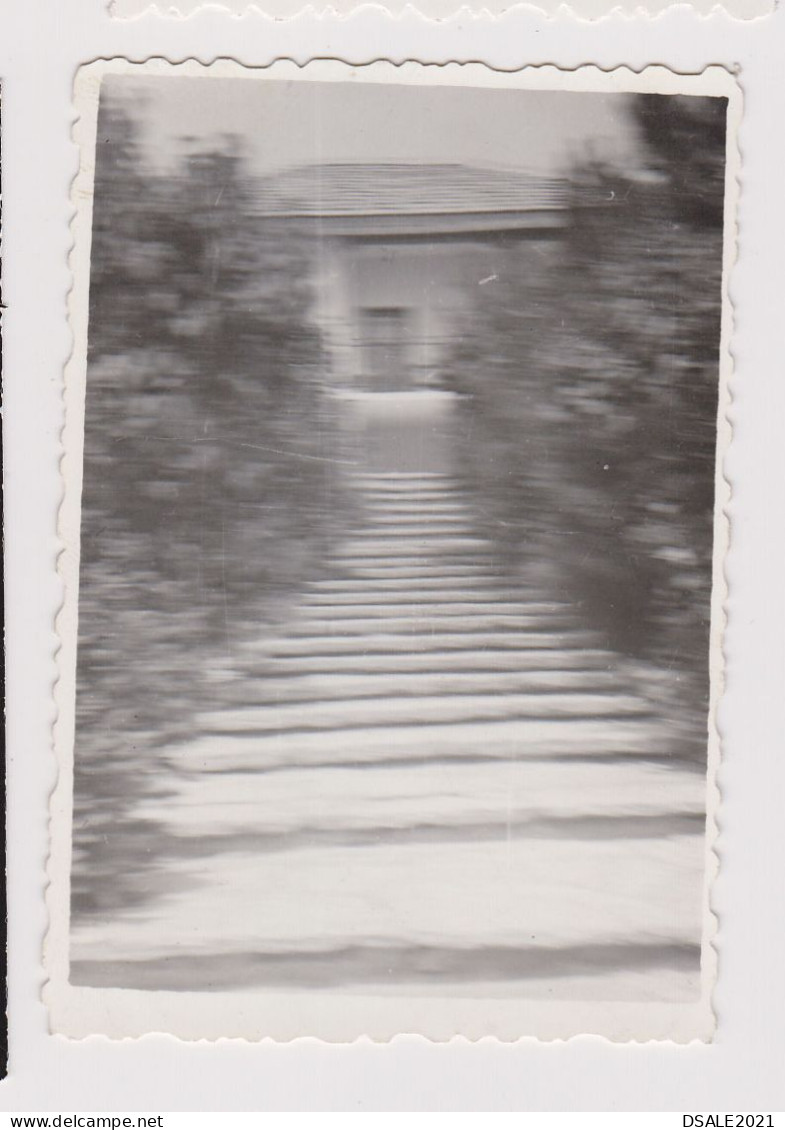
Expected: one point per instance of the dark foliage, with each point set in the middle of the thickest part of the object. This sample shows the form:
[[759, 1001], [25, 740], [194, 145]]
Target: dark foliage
[[208, 472], [592, 377], [685, 137]]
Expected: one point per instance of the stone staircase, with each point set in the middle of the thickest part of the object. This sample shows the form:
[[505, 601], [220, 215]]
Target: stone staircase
[[414, 641], [431, 764]]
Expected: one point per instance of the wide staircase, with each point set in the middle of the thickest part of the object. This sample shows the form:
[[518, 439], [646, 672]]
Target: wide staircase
[[414, 645], [423, 779]]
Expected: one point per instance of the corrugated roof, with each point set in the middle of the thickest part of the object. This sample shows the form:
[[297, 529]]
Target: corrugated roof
[[405, 190]]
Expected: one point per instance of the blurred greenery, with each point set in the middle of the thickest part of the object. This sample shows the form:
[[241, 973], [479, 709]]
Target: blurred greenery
[[592, 384], [210, 487], [213, 485]]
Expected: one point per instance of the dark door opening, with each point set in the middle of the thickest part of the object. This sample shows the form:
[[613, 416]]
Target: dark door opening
[[385, 341]]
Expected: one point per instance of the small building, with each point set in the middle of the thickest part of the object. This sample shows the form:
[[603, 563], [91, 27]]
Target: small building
[[399, 252]]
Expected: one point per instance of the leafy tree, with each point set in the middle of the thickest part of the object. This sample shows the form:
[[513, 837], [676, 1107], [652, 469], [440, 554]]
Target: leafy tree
[[593, 376], [209, 484], [685, 139]]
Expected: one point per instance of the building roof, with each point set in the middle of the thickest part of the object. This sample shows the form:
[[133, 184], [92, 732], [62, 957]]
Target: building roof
[[386, 190]]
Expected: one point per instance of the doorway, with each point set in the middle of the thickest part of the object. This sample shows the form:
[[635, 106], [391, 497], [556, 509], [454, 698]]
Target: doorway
[[386, 348]]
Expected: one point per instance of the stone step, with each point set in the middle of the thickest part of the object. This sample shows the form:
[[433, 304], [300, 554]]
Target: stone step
[[401, 476], [413, 492], [418, 611], [389, 712], [437, 488], [396, 642], [419, 519], [438, 566], [537, 798], [422, 623], [356, 586], [483, 577], [432, 664], [390, 546], [436, 480], [580, 921], [414, 503], [491, 740], [437, 508], [449, 504], [421, 532], [341, 685]]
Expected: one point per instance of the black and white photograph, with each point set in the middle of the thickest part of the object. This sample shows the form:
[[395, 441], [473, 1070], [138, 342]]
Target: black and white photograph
[[394, 581]]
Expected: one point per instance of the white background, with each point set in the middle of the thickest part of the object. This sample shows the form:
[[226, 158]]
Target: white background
[[41, 44]]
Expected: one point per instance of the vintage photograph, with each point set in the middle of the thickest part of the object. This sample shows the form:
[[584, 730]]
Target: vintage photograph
[[395, 592]]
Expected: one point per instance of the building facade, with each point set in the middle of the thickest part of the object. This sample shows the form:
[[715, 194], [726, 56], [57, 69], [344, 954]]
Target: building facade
[[399, 253]]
